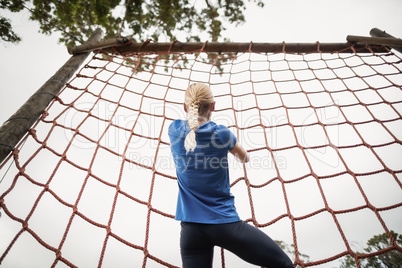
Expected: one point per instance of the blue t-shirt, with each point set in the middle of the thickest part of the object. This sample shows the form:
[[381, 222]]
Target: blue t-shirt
[[203, 175]]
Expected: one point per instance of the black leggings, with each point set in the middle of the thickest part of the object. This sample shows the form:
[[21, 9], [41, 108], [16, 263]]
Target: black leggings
[[197, 242]]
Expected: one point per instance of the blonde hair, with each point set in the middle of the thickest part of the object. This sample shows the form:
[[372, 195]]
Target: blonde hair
[[198, 99]]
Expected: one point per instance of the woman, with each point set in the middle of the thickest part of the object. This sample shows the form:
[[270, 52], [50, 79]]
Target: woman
[[205, 206]]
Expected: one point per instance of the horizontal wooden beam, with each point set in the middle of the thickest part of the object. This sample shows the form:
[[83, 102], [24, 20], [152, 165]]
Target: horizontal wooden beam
[[90, 46], [234, 47]]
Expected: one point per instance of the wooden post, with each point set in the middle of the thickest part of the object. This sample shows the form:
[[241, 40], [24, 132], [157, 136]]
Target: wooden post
[[375, 32], [12, 131]]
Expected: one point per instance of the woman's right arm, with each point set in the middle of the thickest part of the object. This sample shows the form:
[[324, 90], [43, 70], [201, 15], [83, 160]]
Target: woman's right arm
[[240, 153]]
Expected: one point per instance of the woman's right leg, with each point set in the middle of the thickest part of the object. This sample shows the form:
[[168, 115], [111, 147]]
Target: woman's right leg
[[250, 244], [195, 248]]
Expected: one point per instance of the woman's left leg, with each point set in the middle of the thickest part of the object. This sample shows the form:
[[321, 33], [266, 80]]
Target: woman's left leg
[[195, 249]]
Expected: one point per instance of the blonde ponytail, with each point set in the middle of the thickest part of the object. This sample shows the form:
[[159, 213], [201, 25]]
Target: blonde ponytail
[[192, 120], [198, 98]]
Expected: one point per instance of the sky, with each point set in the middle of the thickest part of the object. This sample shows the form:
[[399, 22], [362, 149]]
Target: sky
[[26, 66]]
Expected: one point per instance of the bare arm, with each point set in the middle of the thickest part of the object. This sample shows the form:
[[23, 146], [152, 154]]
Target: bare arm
[[240, 153]]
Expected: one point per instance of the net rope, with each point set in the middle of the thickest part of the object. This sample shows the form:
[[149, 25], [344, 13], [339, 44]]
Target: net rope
[[95, 185]]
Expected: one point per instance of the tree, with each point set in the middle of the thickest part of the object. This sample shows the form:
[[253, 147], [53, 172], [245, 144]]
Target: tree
[[77, 19], [391, 259], [6, 32], [291, 251]]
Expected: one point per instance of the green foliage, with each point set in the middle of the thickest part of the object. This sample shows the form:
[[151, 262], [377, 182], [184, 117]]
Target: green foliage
[[77, 19], [291, 251], [390, 259], [13, 6], [6, 32]]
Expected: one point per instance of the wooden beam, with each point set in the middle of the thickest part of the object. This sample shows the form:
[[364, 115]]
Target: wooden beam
[[375, 32], [90, 46], [387, 41], [150, 47], [12, 131]]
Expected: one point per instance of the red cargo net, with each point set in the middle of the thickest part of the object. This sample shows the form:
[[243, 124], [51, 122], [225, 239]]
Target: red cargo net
[[93, 182]]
